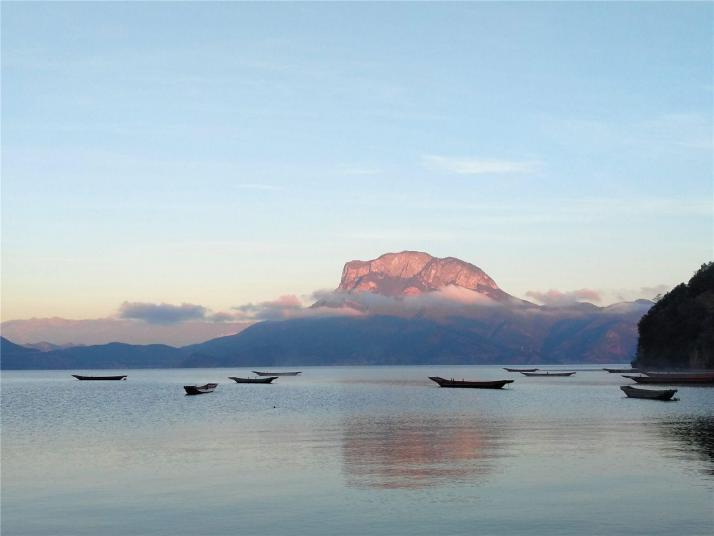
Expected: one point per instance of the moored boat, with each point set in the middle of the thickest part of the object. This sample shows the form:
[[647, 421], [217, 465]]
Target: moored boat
[[546, 373], [259, 373], [495, 384], [99, 378], [520, 369], [621, 370], [709, 375], [200, 389], [674, 379], [269, 379], [651, 394]]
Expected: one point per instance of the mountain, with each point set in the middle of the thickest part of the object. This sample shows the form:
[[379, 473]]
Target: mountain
[[14, 354], [96, 331], [411, 273], [401, 308], [415, 308], [44, 346], [104, 356], [678, 331]]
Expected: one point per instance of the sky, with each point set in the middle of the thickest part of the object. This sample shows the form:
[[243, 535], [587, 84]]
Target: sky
[[218, 154]]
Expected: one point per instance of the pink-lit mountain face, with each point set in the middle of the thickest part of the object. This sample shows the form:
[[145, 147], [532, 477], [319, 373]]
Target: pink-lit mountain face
[[412, 273]]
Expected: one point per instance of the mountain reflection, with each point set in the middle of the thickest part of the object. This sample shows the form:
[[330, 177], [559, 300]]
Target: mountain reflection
[[418, 452], [695, 438]]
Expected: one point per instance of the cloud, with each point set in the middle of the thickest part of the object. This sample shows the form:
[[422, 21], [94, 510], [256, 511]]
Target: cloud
[[223, 316], [360, 171], [285, 306], [647, 293], [256, 186], [477, 166], [557, 298], [450, 299], [161, 313]]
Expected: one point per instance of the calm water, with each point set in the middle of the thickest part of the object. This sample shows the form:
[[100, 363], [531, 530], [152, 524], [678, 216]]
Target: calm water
[[352, 451]]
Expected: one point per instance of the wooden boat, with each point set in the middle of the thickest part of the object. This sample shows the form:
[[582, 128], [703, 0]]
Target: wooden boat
[[269, 379], [547, 373], [200, 389], [259, 373], [621, 370], [99, 378], [443, 382], [672, 379], [652, 394], [682, 375], [520, 369]]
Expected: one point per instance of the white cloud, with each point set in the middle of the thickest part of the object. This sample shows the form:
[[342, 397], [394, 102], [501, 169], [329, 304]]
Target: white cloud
[[477, 166], [256, 186], [356, 170]]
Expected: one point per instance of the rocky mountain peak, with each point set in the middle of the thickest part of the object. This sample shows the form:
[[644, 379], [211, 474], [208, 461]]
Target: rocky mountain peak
[[410, 273]]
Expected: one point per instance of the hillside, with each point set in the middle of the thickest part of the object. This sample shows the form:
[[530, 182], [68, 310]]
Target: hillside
[[678, 331], [399, 309]]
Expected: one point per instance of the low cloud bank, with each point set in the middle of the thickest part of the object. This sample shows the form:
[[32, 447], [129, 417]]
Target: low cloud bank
[[161, 313], [602, 297], [557, 298]]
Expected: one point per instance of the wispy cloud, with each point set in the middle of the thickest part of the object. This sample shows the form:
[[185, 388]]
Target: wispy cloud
[[280, 308], [478, 166], [257, 186], [360, 171]]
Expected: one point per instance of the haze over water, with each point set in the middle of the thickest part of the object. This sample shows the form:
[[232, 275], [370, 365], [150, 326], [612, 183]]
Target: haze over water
[[352, 450]]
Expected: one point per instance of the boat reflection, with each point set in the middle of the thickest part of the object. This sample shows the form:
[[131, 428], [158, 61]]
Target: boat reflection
[[417, 452]]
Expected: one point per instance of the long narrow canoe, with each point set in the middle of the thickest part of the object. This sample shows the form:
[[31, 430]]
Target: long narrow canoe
[[621, 370], [269, 379], [520, 369], [259, 373], [443, 382], [673, 379], [682, 375], [200, 389], [547, 373], [650, 394], [99, 378]]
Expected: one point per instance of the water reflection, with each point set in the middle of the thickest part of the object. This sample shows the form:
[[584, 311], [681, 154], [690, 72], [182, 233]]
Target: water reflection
[[412, 452], [694, 437]]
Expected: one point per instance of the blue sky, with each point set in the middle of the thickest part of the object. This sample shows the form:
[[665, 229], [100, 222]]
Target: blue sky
[[223, 153]]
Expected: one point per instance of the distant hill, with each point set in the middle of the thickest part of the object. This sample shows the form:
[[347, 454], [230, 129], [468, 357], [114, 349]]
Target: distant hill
[[399, 309], [539, 337], [14, 355], [678, 331], [64, 332], [104, 356]]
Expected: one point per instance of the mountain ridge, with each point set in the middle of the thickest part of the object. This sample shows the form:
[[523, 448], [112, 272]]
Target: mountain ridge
[[400, 308]]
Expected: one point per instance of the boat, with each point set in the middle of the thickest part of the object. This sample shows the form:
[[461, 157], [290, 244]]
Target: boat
[[621, 370], [671, 379], [546, 373], [443, 382], [682, 375], [200, 389], [259, 373], [269, 379], [652, 394], [520, 369], [99, 378]]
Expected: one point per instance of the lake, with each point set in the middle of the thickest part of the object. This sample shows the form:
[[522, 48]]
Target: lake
[[352, 451]]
